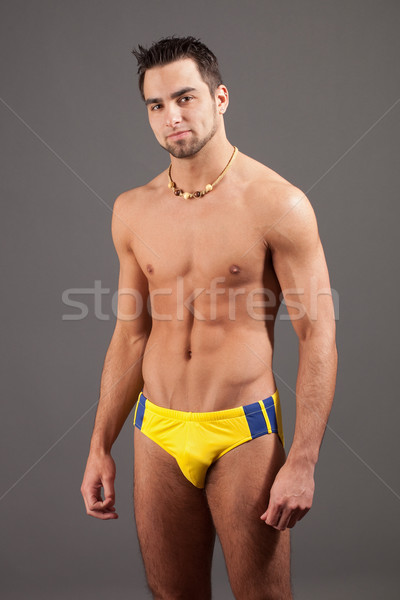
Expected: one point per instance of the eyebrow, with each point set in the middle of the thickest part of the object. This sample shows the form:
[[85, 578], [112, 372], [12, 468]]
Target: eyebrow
[[172, 96]]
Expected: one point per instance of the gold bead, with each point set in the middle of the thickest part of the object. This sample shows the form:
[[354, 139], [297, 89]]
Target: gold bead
[[171, 184], [208, 187], [186, 195]]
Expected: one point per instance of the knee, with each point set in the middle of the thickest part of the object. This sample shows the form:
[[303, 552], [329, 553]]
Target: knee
[[179, 592], [181, 595], [269, 591]]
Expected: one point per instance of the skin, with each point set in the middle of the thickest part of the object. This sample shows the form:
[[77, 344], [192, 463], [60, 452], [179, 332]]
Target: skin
[[211, 351]]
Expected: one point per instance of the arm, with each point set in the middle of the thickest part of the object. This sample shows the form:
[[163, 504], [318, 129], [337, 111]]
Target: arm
[[121, 379], [300, 266]]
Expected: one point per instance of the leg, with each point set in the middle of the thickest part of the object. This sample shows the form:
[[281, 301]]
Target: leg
[[237, 486], [175, 529]]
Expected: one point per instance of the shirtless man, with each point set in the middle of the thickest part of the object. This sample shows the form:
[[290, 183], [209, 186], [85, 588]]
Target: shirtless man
[[213, 268]]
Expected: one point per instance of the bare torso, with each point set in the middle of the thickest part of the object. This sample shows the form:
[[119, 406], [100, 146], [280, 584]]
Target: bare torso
[[207, 262]]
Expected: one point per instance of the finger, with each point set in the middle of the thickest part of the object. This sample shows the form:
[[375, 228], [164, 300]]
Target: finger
[[273, 515], [293, 519], [95, 503], [95, 507], [302, 513], [284, 519], [89, 498], [100, 511], [103, 515], [272, 512]]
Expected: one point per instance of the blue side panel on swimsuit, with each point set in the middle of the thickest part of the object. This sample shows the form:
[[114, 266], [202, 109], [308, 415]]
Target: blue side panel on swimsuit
[[270, 408], [140, 412], [255, 419]]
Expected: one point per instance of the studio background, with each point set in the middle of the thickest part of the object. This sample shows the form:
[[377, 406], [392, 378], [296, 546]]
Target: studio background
[[315, 95]]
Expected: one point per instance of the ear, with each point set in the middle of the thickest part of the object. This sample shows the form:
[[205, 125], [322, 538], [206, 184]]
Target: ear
[[221, 98]]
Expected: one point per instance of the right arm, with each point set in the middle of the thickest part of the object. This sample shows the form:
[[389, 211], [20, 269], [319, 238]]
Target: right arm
[[121, 379]]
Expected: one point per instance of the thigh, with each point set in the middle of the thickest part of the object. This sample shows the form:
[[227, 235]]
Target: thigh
[[174, 524], [237, 487]]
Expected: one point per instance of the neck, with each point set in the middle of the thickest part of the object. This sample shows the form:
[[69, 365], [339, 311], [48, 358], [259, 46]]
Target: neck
[[195, 172]]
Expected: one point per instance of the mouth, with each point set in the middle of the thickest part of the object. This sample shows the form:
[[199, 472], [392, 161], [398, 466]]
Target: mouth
[[178, 135]]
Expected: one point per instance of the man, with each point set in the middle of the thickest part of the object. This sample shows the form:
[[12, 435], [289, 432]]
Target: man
[[211, 246]]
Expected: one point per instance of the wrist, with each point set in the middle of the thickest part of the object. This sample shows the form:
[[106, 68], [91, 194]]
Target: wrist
[[99, 449], [301, 460]]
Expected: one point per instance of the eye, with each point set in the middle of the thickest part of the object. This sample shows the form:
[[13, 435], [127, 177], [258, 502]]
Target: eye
[[155, 106], [187, 98]]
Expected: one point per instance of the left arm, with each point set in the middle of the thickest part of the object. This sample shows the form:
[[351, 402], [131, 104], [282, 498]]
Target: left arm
[[300, 266]]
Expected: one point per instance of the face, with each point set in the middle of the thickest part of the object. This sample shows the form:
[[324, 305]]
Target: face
[[181, 111]]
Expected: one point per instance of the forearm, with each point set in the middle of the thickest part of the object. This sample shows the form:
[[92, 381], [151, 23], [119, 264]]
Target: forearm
[[315, 390], [121, 383]]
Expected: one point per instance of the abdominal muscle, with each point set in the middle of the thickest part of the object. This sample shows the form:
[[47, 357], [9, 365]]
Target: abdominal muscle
[[202, 366]]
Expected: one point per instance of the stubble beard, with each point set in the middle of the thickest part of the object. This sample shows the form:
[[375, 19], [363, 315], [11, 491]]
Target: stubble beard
[[184, 148]]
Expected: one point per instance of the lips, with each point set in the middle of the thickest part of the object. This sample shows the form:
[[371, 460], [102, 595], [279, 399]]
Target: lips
[[178, 135]]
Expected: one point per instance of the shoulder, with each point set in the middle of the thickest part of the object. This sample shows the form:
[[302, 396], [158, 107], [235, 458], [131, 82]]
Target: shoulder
[[130, 199], [124, 208], [129, 207], [133, 200], [284, 209], [294, 225]]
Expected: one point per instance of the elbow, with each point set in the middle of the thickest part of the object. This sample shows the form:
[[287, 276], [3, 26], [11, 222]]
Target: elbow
[[321, 346], [321, 334], [132, 336]]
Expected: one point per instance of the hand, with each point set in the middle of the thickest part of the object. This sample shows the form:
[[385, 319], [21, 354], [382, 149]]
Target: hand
[[291, 496], [100, 472]]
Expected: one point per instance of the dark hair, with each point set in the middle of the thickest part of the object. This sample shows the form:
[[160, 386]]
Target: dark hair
[[170, 49]]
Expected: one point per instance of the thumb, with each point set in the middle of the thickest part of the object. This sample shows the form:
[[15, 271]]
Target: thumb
[[109, 492], [269, 508]]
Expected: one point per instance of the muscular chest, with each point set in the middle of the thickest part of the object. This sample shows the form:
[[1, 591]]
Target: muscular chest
[[200, 243]]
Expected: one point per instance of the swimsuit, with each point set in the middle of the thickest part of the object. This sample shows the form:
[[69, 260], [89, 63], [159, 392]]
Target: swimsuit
[[198, 439]]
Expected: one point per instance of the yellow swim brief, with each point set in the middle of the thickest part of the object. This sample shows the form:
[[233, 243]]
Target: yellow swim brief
[[197, 439]]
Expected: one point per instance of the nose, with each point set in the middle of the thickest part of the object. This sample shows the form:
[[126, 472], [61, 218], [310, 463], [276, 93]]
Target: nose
[[172, 116]]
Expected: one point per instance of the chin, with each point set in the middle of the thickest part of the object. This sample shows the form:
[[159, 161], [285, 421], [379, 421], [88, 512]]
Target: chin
[[180, 150]]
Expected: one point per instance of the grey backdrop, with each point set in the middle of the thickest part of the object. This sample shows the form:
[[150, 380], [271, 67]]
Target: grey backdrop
[[314, 94]]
